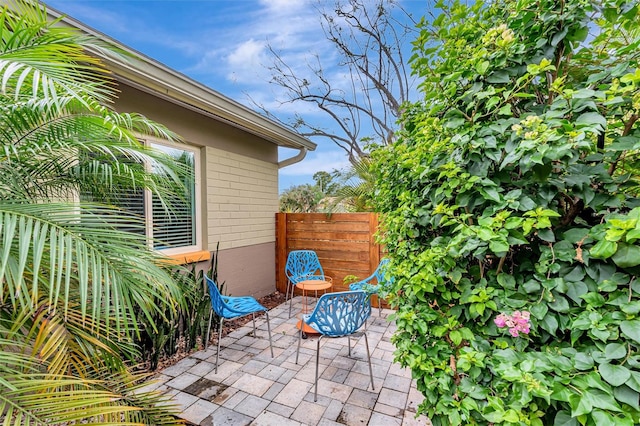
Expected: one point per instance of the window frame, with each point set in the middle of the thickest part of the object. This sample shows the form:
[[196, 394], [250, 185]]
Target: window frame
[[197, 195]]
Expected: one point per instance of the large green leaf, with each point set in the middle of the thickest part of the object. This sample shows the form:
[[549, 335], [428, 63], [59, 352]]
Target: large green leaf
[[603, 249], [631, 329], [627, 255], [564, 419], [615, 375]]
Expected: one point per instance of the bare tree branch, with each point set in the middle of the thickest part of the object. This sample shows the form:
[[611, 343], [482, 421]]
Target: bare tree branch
[[364, 102]]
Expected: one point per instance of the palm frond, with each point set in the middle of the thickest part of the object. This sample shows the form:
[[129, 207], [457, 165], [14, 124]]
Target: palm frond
[[42, 59], [62, 251]]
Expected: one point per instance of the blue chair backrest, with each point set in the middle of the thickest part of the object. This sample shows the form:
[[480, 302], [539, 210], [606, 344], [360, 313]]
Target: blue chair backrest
[[217, 303], [341, 313], [303, 265]]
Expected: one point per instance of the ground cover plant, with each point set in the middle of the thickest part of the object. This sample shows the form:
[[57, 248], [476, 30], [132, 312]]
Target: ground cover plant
[[510, 211]]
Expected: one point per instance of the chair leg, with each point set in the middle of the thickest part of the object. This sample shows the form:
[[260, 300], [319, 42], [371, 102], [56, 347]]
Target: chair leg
[[299, 340], [366, 342], [349, 345], [291, 300], [315, 396], [253, 317], [206, 341], [269, 331], [219, 339]]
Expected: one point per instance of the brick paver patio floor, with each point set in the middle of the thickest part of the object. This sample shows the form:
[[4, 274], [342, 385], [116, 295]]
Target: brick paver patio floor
[[252, 388]]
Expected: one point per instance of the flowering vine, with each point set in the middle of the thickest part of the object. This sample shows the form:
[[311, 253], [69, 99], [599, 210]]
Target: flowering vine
[[518, 322]]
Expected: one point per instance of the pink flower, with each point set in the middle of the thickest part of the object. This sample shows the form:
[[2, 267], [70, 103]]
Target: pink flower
[[518, 322], [501, 320]]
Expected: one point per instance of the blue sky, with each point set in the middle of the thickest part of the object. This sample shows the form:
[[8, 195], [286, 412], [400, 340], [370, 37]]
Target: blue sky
[[223, 44]]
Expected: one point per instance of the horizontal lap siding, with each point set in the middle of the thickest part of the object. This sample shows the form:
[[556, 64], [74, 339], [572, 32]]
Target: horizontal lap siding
[[344, 242], [242, 195]]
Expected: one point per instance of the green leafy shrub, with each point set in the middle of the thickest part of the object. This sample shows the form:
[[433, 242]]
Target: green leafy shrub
[[509, 207]]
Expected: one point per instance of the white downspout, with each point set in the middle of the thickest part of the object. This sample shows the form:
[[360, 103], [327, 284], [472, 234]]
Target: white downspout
[[293, 160]]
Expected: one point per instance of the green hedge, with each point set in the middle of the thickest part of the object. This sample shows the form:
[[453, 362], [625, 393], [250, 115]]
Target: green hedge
[[512, 190]]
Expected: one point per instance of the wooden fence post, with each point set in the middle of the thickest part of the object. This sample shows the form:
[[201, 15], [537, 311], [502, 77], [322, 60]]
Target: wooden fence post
[[281, 251]]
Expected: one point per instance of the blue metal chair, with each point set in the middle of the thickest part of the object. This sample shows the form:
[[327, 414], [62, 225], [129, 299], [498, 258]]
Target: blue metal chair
[[301, 265], [366, 286], [339, 314], [227, 307]]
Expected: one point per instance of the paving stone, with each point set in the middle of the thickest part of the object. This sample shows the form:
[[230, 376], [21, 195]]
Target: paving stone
[[378, 419], [234, 377], [252, 406], [327, 422], [262, 342], [202, 368], [292, 365], [183, 400], [340, 376], [358, 380], [333, 410], [329, 372], [388, 410], [202, 355], [198, 411], [410, 419], [154, 384], [322, 400], [354, 415], [393, 398], [414, 399], [363, 399], [225, 395], [287, 376], [397, 370], [273, 391], [205, 389], [293, 393], [269, 418], [271, 372], [308, 413], [225, 417], [180, 367], [343, 362], [252, 384], [235, 355], [401, 384], [254, 367], [234, 400], [334, 390], [225, 369], [308, 372], [182, 381], [280, 409]]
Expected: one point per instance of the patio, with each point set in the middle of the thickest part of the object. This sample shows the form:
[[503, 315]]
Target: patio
[[251, 388]]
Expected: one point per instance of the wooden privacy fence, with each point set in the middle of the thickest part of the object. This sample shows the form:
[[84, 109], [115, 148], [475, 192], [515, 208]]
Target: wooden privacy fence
[[344, 242]]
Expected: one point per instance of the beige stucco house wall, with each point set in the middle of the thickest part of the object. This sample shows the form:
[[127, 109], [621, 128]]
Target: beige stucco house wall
[[238, 164]]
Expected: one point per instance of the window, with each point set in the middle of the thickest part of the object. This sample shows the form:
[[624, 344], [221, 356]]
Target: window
[[173, 224]]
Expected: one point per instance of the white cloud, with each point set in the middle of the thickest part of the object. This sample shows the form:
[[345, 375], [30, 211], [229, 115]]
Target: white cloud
[[245, 62]]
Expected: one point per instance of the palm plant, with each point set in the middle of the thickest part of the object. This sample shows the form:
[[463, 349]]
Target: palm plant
[[73, 284], [357, 191]]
